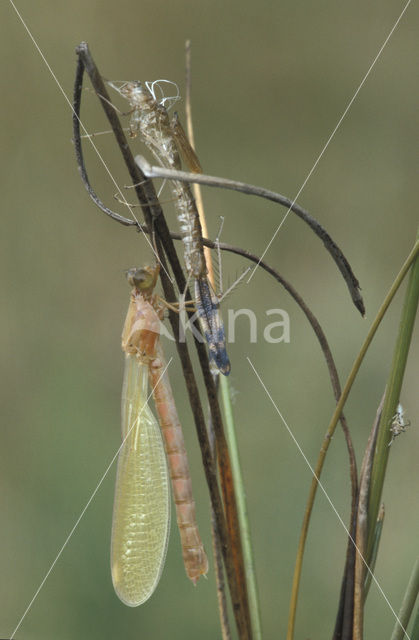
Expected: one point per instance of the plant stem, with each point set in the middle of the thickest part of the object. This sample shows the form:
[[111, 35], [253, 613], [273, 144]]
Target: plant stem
[[361, 530], [408, 603], [329, 433], [415, 628], [249, 565], [394, 386], [376, 543]]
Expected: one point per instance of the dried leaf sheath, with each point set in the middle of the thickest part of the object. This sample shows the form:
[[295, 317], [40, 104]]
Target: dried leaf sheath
[[194, 556], [141, 513]]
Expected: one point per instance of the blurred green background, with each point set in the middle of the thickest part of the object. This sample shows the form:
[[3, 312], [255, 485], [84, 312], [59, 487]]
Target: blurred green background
[[270, 82]]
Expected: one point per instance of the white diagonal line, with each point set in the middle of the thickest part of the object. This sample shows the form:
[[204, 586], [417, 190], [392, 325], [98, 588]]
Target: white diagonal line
[[306, 460], [85, 508], [108, 171], [330, 137]]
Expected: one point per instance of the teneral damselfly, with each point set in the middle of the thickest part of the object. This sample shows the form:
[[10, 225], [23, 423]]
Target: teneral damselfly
[[141, 514]]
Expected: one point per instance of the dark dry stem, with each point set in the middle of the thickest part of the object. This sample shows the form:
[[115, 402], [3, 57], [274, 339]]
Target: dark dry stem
[[143, 187], [344, 617], [230, 542], [78, 148], [361, 534], [352, 595], [376, 543], [243, 187], [343, 624], [219, 579]]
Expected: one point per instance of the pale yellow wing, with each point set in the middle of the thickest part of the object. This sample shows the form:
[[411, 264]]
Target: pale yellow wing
[[141, 515]]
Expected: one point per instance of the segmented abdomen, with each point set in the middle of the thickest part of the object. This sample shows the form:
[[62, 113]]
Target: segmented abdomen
[[194, 556]]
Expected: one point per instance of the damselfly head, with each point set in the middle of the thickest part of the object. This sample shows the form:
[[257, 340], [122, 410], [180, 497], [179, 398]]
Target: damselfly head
[[142, 278]]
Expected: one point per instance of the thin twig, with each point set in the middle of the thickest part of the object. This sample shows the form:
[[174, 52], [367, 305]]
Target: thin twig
[[224, 183], [78, 149]]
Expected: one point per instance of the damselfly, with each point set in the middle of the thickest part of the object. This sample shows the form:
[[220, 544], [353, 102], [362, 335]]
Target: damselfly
[[141, 514]]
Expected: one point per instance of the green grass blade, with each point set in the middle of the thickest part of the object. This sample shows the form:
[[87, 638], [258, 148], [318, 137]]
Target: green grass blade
[[249, 565], [394, 386], [407, 606]]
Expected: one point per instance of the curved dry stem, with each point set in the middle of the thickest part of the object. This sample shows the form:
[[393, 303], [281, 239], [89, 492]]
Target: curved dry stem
[[249, 189]]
